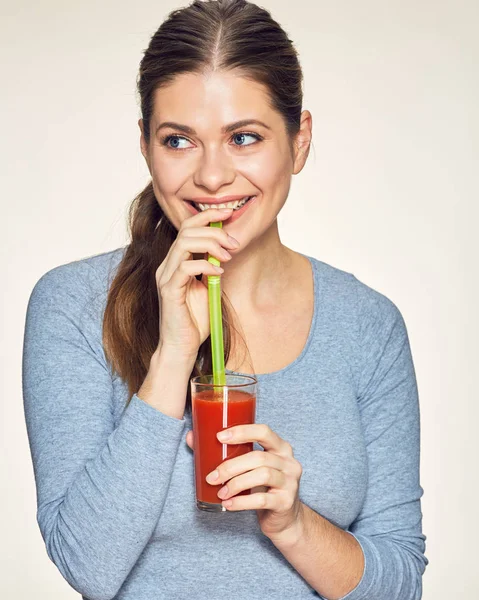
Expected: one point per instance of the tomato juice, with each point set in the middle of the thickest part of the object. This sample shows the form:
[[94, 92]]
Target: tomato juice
[[212, 412]]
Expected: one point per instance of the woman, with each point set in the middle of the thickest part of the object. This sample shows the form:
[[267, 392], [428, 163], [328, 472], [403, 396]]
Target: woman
[[111, 342]]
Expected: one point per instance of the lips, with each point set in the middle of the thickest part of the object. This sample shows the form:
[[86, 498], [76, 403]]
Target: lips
[[236, 213], [222, 200], [206, 206]]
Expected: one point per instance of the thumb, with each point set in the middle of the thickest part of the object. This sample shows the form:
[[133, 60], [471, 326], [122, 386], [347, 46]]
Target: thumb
[[189, 439]]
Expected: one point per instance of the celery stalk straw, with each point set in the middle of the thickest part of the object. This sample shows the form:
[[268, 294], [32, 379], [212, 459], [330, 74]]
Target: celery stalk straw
[[216, 321]]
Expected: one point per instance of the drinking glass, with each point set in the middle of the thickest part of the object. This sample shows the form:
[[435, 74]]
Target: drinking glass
[[214, 408]]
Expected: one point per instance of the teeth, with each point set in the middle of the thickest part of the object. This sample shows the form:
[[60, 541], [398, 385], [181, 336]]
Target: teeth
[[237, 204]]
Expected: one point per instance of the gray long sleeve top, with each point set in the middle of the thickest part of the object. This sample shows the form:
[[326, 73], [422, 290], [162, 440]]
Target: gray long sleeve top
[[115, 482]]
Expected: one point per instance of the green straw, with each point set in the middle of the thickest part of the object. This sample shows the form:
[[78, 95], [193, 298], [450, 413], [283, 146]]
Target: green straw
[[216, 321]]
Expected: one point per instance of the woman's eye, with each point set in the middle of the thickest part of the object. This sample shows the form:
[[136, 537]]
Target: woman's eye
[[241, 136], [238, 138], [175, 139]]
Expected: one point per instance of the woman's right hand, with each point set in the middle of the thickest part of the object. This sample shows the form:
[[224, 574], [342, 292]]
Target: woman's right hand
[[184, 310]]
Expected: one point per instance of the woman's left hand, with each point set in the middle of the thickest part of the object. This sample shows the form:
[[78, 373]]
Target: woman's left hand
[[278, 509]]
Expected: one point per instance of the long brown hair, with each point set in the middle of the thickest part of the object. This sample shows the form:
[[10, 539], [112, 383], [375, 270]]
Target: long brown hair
[[213, 35]]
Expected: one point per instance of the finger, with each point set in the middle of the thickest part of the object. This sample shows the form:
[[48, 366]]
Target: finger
[[272, 478], [262, 500], [185, 246], [205, 217], [184, 273], [246, 462], [258, 432], [220, 235], [195, 228], [190, 439]]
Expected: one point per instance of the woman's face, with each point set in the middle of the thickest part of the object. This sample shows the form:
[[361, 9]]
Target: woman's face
[[204, 159]]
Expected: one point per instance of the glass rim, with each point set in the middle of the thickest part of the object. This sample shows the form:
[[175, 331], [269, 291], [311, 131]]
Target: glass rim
[[252, 381]]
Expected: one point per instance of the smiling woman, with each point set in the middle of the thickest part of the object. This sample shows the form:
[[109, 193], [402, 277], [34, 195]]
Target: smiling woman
[[220, 156], [112, 341]]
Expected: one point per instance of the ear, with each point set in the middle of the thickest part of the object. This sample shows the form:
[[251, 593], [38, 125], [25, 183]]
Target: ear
[[143, 144], [302, 141]]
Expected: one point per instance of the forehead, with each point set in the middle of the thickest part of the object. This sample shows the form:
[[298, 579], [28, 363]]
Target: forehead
[[213, 100]]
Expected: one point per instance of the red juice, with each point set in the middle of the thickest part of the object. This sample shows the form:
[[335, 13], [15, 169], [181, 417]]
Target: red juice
[[210, 416]]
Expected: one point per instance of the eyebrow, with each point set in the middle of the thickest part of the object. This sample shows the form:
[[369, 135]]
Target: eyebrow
[[225, 129]]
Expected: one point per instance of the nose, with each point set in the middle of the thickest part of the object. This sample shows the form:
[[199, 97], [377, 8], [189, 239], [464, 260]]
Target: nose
[[215, 169]]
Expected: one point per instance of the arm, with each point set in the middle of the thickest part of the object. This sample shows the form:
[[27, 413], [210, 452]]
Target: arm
[[328, 558], [100, 490], [382, 555]]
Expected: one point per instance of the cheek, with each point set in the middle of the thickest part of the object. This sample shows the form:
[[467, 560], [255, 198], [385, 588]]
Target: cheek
[[165, 186], [269, 170], [169, 176]]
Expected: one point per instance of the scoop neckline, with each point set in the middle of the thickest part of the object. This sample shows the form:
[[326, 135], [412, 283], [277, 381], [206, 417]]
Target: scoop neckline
[[300, 357]]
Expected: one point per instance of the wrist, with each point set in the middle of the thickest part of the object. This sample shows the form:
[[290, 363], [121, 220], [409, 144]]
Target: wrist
[[291, 536], [166, 384], [173, 358]]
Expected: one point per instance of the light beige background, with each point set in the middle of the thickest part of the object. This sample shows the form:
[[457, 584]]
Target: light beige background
[[390, 194]]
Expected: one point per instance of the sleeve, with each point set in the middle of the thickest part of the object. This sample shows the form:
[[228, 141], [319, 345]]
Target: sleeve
[[389, 527], [100, 489]]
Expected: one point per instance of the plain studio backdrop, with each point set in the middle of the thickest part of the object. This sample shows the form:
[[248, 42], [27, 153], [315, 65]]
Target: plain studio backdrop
[[389, 193]]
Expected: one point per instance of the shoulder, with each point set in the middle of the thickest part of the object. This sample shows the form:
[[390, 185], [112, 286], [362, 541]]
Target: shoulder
[[92, 273], [344, 293], [77, 282]]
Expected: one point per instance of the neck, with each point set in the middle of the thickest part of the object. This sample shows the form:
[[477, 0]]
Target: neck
[[259, 273]]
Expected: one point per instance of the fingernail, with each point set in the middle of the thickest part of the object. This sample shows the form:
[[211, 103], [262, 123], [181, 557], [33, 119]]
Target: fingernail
[[225, 209], [226, 254], [218, 269], [224, 435], [223, 491], [213, 476], [233, 241]]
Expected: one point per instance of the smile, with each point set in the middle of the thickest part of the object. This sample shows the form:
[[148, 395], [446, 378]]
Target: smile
[[236, 205], [239, 207]]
